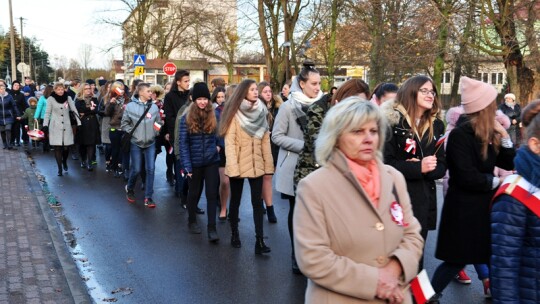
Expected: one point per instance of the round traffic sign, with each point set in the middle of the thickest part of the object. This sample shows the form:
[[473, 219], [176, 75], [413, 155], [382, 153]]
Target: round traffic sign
[[169, 68]]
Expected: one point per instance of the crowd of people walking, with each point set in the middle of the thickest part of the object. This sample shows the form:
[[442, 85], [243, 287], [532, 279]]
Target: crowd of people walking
[[358, 168]]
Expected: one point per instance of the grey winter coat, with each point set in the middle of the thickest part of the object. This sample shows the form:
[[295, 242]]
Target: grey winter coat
[[145, 134], [288, 135], [57, 119]]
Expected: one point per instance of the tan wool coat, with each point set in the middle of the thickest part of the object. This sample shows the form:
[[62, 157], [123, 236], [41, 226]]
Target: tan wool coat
[[247, 156], [341, 239]]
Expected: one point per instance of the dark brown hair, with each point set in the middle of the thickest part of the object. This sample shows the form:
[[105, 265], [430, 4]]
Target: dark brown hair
[[351, 87], [201, 120], [531, 119]]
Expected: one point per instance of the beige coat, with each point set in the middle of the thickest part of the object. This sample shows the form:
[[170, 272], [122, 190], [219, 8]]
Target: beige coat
[[247, 156], [341, 239]]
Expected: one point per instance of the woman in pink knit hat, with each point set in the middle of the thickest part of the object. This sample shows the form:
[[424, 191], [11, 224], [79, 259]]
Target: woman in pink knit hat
[[475, 146]]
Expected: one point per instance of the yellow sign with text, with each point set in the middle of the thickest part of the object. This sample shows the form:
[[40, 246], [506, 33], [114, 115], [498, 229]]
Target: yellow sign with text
[[139, 70]]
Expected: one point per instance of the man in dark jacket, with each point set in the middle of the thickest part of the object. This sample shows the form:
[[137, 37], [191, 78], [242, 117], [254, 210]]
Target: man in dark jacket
[[20, 101], [177, 98]]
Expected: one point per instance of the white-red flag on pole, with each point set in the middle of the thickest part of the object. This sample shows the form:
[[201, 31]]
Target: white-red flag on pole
[[421, 288]]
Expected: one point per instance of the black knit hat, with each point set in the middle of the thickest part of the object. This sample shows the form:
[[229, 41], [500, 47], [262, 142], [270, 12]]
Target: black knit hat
[[200, 89], [90, 81], [14, 82]]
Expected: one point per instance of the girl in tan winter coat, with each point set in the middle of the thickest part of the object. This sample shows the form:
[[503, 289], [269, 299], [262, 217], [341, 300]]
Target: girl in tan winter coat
[[244, 126]]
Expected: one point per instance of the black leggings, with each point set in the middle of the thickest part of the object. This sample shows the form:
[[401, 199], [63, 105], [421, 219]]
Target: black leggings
[[87, 152], [61, 154], [210, 176], [292, 203], [237, 185]]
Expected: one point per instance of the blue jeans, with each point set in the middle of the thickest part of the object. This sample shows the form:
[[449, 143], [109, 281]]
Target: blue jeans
[[137, 153], [179, 179]]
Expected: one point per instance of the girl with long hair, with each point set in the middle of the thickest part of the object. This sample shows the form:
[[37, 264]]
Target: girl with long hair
[[247, 148], [266, 96], [115, 104], [199, 154], [89, 133], [218, 101], [414, 147], [475, 146]]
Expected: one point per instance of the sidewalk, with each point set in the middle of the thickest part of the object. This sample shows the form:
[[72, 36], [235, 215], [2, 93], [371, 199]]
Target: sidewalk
[[35, 264]]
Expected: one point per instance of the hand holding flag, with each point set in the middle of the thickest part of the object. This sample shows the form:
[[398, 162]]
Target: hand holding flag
[[440, 142]]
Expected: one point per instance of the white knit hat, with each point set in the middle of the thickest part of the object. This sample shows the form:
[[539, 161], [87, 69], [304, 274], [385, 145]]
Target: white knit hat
[[510, 95]]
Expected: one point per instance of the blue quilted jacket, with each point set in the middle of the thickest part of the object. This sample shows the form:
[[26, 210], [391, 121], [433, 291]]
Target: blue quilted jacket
[[515, 259], [197, 149]]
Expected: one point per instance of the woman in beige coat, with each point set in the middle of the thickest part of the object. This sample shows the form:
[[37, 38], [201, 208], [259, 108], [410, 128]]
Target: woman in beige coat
[[244, 126], [355, 235]]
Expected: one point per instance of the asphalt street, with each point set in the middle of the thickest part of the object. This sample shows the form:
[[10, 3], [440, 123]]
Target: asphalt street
[[130, 254]]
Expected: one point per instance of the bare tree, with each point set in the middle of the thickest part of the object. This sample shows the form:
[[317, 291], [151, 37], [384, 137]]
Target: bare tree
[[170, 25], [85, 57], [216, 36]]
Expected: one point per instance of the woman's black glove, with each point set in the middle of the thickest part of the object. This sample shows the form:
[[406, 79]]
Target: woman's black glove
[[45, 129]]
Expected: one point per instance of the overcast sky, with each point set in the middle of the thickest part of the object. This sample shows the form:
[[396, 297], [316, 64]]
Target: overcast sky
[[62, 26]]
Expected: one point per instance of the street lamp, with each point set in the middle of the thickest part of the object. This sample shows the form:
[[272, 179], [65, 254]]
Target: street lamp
[[287, 44]]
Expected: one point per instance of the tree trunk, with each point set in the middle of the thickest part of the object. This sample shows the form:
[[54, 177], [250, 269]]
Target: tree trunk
[[330, 66]]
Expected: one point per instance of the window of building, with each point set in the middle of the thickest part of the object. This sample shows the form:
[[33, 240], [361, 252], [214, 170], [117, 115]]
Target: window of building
[[501, 76], [494, 78], [485, 77], [446, 78]]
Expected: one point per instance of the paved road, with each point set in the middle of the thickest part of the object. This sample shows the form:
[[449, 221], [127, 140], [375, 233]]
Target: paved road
[[131, 254]]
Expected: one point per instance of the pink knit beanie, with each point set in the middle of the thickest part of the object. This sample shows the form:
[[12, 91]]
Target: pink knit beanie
[[475, 95]]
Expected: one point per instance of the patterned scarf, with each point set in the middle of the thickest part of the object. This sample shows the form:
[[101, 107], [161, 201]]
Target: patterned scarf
[[252, 117]]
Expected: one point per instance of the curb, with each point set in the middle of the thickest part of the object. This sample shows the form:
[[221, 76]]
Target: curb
[[78, 289]]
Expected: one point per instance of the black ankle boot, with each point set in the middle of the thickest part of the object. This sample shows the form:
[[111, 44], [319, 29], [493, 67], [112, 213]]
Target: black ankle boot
[[271, 215], [212, 234], [65, 166], [235, 239], [260, 246]]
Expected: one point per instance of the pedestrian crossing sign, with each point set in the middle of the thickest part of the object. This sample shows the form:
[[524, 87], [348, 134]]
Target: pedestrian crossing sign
[[139, 71], [139, 60]]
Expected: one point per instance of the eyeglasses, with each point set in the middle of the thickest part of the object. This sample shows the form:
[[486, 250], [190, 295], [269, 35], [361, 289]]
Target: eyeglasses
[[426, 91]]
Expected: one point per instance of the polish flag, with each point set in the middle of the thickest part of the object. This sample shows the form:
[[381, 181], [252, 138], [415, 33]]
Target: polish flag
[[442, 140], [157, 126], [421, 288]]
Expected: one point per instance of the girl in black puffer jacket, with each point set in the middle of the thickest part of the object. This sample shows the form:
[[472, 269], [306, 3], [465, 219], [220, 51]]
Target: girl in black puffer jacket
[[199, 155]]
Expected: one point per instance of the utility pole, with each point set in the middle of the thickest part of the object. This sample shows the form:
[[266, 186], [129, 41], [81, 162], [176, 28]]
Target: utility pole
[[22, 40], [12, 35]]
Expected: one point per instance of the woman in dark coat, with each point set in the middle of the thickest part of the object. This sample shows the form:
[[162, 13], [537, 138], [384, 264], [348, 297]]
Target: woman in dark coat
[[475, 146], [512, 109], [414, 148], [89, 133], [8, 114]]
